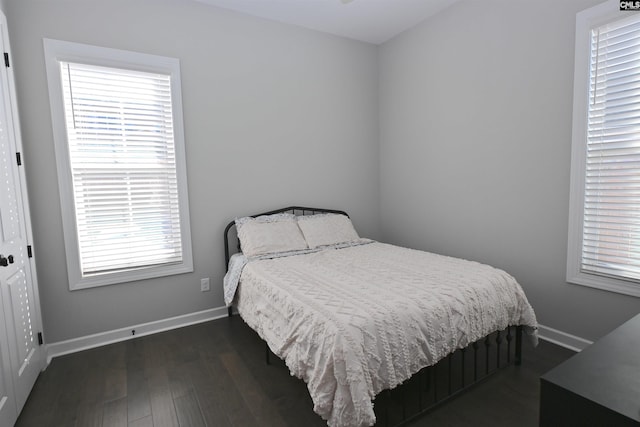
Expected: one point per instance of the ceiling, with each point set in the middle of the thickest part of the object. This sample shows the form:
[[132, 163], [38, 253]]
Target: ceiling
[[372, 21]]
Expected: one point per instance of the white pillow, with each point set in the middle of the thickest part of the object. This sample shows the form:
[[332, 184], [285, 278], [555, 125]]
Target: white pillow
[[269, 234], [327, 229]]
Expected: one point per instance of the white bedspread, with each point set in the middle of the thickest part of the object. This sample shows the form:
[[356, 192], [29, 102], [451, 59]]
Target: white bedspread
[[352, 322]]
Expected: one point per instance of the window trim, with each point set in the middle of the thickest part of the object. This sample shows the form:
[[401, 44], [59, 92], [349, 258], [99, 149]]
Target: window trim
[[57, 50], [585, 21]]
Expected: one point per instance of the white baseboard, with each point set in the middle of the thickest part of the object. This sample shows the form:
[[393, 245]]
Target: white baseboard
[[563, 339], [60, 348], [103, 338]]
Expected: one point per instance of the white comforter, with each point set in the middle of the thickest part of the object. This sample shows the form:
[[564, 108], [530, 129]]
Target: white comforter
[[354, 321]]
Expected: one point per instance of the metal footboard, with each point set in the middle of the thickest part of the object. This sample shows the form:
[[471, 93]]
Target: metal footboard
[[434, 385]]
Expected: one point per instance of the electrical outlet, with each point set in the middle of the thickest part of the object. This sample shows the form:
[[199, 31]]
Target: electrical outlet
[[204, 284]]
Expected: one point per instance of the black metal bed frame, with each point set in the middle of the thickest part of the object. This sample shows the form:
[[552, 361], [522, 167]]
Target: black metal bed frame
[[433, 385]]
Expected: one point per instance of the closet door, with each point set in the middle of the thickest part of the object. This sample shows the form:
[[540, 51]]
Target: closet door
[[19, 312], [8, 408]]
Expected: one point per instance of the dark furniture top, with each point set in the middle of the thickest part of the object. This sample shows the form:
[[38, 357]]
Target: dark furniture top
[[604, 380]]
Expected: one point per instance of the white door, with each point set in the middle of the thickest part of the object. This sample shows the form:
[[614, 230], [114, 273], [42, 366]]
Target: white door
[[8, 408], [19, 311]]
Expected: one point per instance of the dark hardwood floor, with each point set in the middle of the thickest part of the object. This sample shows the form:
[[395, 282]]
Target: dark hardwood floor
[[214, 374]]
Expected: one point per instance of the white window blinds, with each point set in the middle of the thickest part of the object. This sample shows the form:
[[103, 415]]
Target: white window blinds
[[611, 226], [123, 166]]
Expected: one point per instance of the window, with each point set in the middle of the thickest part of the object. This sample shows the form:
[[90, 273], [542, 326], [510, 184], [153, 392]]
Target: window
[[604, 227], [119, 144]]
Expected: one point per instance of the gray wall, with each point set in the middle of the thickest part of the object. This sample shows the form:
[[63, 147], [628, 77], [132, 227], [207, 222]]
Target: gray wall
[[472, 109], [274, 115], [475, 139]]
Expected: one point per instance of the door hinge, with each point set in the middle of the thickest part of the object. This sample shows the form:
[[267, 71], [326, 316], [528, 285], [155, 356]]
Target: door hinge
[[40, 340], [6, 59], [19, 159], [29, 251]]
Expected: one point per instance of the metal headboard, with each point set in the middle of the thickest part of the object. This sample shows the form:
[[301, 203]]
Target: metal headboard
[[296, 210]]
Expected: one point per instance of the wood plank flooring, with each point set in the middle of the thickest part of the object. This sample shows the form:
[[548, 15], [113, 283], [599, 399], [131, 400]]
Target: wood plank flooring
[[214, 374]]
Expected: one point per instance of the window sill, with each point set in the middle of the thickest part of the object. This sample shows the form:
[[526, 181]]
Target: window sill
[[605, 283], [78, 283]]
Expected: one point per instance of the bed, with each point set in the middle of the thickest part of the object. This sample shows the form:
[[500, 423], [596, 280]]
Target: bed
[[354, 318]]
